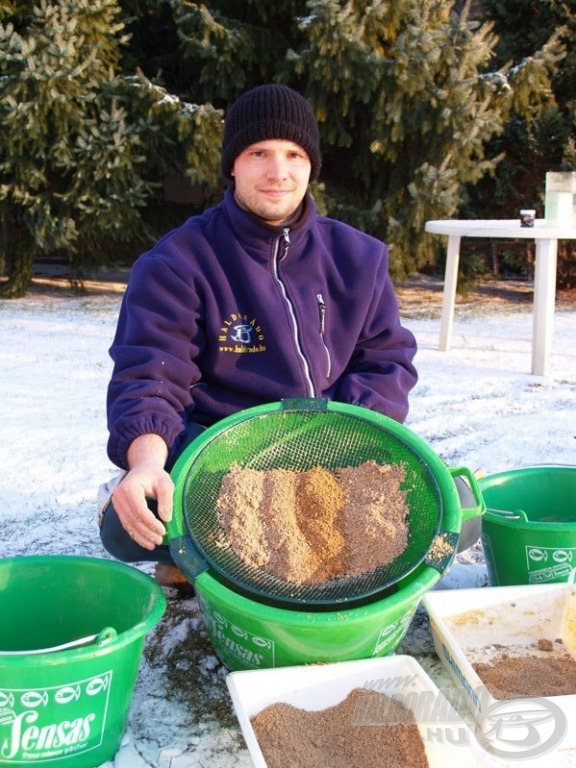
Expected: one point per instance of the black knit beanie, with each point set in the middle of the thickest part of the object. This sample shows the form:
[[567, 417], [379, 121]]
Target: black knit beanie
[[270, 112]]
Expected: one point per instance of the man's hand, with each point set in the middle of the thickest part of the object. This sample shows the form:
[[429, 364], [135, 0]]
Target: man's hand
[[146, 479]]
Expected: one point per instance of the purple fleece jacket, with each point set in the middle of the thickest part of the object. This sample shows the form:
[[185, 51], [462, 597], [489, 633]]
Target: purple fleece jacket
[[225, 313]]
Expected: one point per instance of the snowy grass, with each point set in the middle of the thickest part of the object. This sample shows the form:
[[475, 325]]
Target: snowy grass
[[477, 406]]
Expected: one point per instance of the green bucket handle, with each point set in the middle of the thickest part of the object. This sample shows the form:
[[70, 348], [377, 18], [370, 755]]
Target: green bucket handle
[[107, 635], [509, 514], [102, 638], [469, 512]]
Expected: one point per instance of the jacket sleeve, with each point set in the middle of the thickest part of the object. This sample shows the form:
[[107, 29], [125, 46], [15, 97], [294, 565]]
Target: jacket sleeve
[[380, 372], [157, 339]]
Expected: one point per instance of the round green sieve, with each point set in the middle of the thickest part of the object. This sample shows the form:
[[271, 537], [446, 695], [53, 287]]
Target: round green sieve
[[299, 435]]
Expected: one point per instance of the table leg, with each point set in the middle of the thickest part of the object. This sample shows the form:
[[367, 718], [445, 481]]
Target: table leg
[[544, 301], [449, 295]]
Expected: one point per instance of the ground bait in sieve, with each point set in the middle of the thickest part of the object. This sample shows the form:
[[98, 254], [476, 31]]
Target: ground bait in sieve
[[310, 527]]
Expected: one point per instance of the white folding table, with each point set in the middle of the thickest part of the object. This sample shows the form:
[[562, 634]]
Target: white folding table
[[546, 235]]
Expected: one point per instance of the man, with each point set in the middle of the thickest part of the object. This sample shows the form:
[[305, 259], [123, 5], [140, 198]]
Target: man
[[255, 300]]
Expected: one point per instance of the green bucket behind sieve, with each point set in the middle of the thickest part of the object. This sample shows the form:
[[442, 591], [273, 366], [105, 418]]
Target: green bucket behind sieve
[[529, 528], [69, 707]]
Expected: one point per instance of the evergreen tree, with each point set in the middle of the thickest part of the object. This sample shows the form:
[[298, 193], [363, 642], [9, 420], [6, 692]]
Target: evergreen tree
[[233, 45], [53, 60], [540, 133], [82, 149], [408, 100], [415, 100]]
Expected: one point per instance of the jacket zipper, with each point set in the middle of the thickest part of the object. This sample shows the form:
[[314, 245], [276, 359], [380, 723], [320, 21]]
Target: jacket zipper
[[322, 313], [285, 240]]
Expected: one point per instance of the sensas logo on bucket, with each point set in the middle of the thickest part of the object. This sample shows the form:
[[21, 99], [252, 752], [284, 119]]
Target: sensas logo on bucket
[[47, 723]]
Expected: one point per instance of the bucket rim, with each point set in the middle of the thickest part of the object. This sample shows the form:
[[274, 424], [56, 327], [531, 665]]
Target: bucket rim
[[525, 468], [494, 517], [126, 637], [411, 589]]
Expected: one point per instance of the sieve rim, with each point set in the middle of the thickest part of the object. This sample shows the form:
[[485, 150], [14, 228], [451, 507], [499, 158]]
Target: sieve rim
[[346, 590]]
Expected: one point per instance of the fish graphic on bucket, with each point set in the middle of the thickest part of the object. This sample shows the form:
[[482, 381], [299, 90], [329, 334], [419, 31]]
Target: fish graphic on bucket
[[548, 563]]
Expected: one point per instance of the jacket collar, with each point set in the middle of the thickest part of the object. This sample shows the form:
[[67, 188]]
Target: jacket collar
[[252, 229]]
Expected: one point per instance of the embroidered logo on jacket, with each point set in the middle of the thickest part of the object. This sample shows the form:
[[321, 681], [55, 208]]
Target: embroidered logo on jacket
[[240, 334]]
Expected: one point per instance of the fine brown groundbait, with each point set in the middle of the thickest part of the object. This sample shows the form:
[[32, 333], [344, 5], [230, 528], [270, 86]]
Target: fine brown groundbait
[[508, 677], [312, 526], [366, 730]]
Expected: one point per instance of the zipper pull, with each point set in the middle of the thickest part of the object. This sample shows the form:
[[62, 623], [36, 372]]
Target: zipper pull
[[286, 239], [322, 311]]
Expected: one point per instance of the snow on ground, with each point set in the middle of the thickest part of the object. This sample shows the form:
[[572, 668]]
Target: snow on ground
[[477, 405]]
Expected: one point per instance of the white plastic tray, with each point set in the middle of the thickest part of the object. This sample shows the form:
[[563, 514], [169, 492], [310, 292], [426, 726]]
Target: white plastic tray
[[472, 625], [447, 738]]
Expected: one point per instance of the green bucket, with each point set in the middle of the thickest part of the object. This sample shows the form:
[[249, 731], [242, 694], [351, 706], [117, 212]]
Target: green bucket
[[248, 634], [529, 528], [62, 705], [251, 629]]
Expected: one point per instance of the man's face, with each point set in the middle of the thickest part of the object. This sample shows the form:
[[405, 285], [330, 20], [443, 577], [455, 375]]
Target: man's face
[[271, 179]]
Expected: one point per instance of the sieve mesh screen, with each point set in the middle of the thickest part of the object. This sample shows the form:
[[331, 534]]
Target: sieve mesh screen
[[300, 440]]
